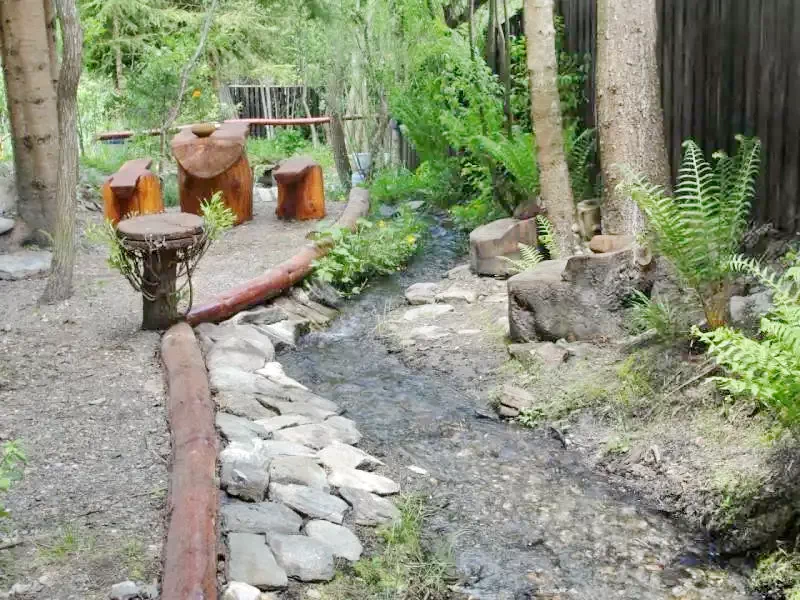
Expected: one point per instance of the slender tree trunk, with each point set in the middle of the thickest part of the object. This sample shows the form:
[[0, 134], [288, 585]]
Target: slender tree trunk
[[506, 71], [546, 116], [491, 37], [339, 146], [630, 116], [314, 135], [119, 82], [27, 54], [59, 284]]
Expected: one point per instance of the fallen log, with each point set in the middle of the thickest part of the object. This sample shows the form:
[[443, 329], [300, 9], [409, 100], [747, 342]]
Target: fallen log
[[190, 553], [280, 278]]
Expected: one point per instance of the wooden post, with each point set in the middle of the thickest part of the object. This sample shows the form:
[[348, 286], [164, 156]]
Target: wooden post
[[159, 303], [301, 191], [216, 162]]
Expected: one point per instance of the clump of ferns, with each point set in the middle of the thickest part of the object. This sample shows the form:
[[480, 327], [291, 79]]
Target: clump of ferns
[[530, 256]]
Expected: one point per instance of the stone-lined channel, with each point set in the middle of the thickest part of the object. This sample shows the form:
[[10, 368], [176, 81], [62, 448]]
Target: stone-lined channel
[[525, 518]]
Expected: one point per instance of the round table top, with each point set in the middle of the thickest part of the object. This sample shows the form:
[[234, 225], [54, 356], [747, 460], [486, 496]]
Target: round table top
[[161, 227]]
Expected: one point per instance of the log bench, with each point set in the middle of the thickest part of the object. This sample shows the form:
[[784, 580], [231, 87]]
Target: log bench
[[301, 192], [133, 190]]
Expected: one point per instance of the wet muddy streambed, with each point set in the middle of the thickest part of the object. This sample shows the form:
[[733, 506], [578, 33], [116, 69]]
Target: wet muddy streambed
[[524, 516]]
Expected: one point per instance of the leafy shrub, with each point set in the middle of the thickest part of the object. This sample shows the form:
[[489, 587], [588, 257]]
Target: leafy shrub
[[390, 186], [373, 249], [531, 256], [699, 229], [581, 150], [766, 368], [515, 157], [777, 575], [11, 460], [475, 213], [661, 316]]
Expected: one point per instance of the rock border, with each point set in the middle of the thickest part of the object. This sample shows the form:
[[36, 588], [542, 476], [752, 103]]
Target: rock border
[[280, 278], [190, 551]]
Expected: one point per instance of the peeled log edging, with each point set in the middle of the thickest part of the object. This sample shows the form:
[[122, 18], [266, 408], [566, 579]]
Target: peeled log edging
[[278, 279], [190, 554]]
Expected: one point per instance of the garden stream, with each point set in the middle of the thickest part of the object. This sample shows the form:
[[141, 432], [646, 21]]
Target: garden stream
[[525, 518]]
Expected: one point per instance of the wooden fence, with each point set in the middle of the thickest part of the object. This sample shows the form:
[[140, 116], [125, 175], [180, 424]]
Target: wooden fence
[[727, 67], [267, 101]]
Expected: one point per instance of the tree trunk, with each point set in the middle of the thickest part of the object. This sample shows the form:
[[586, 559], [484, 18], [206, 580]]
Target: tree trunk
[[59, 284], [339, 146], [546, 115], [629, 113], [118, 77], [31, 99]]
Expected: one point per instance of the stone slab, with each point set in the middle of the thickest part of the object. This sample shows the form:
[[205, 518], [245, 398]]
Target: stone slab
[[309, 501], [259, 517], [303, 558], [24, 264], [338, 539], [251, 561]]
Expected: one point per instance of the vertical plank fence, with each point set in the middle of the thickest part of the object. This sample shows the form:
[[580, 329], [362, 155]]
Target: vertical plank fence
[[727, 67]]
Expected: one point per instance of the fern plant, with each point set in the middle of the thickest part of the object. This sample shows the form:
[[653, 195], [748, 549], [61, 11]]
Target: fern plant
[[699, 230], [765, 368], [580, 160], [530, 256], [666, 319], [517, 156]]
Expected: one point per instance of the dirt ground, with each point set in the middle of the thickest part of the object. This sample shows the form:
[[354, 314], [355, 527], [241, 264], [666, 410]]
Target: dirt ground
[[81, 390], [645, 418]]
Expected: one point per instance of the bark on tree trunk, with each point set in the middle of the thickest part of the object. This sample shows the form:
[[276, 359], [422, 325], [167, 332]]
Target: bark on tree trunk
[[59, 284], [339, 146], [629, 113], [31, 96], [546, 115]]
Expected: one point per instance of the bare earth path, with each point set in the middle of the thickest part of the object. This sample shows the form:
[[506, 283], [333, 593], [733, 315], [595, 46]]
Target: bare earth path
[[81, 389]]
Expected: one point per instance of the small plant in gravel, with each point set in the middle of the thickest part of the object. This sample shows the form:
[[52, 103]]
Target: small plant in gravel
[[405, 569], [531, 256], [12, 460], [374, 249]]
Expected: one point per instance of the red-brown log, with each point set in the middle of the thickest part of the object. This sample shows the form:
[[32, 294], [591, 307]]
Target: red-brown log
[[190, 553], [280, 278]]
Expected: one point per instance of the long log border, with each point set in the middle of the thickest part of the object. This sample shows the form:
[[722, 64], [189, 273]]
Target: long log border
[[280, 278], [190, 552]]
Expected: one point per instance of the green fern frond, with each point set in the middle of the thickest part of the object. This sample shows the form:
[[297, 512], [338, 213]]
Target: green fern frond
[[580, 162], [529, 258], [547, 235], [517, 156], [660, 316]]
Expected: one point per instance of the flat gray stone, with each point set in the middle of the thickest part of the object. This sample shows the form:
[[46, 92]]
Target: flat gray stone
[[6, 225], [266, 315], [303, 558], [274, 372], [259, 517], [275, 448], [242, 331], [308, 501], [24, 264], [285, 407], [460, 272], [285, 334], [245, 469], [239, 429], [339, 456], [340, 540], [237, 590], [421, 293], [456, 295], [363, 480], [251, 561], [345, 426], [428, 332], [317, 435], [273, 424], [489, 245], [298, 470], [302, 395], [244, 405], [369, 509], [125, 590], [237, 353], [430, 311], [236, 380]]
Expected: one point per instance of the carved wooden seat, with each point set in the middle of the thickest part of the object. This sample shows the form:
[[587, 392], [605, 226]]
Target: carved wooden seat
[[132, 190], [301, 191], [214, 161], [160, 240]]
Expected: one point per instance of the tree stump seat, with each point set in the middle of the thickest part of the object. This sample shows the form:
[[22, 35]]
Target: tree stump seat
[[301, 191], [161, 240], [133, 190], [214, 161]]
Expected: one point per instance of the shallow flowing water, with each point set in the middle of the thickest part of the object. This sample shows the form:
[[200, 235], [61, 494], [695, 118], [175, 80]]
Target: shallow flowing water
[[526, 519]]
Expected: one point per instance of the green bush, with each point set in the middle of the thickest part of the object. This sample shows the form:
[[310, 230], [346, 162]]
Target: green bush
[[373, 249], [765, 368], [700, 229], [777, 575], [667, 320], [476, 212], [12, 458]]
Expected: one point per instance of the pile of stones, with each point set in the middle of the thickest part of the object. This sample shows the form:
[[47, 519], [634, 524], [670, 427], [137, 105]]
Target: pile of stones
[[295, 484]]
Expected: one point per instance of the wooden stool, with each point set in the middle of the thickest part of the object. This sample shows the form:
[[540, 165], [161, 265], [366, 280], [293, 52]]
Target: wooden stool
[[301, 192], [132, 190], [160, 240], [210, 162]]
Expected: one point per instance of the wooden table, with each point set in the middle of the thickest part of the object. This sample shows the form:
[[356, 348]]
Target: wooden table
[[161, 241]]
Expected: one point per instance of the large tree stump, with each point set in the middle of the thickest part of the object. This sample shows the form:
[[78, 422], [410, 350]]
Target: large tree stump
[[160, 240], [301, 191], [215, 163], [131, 191]]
